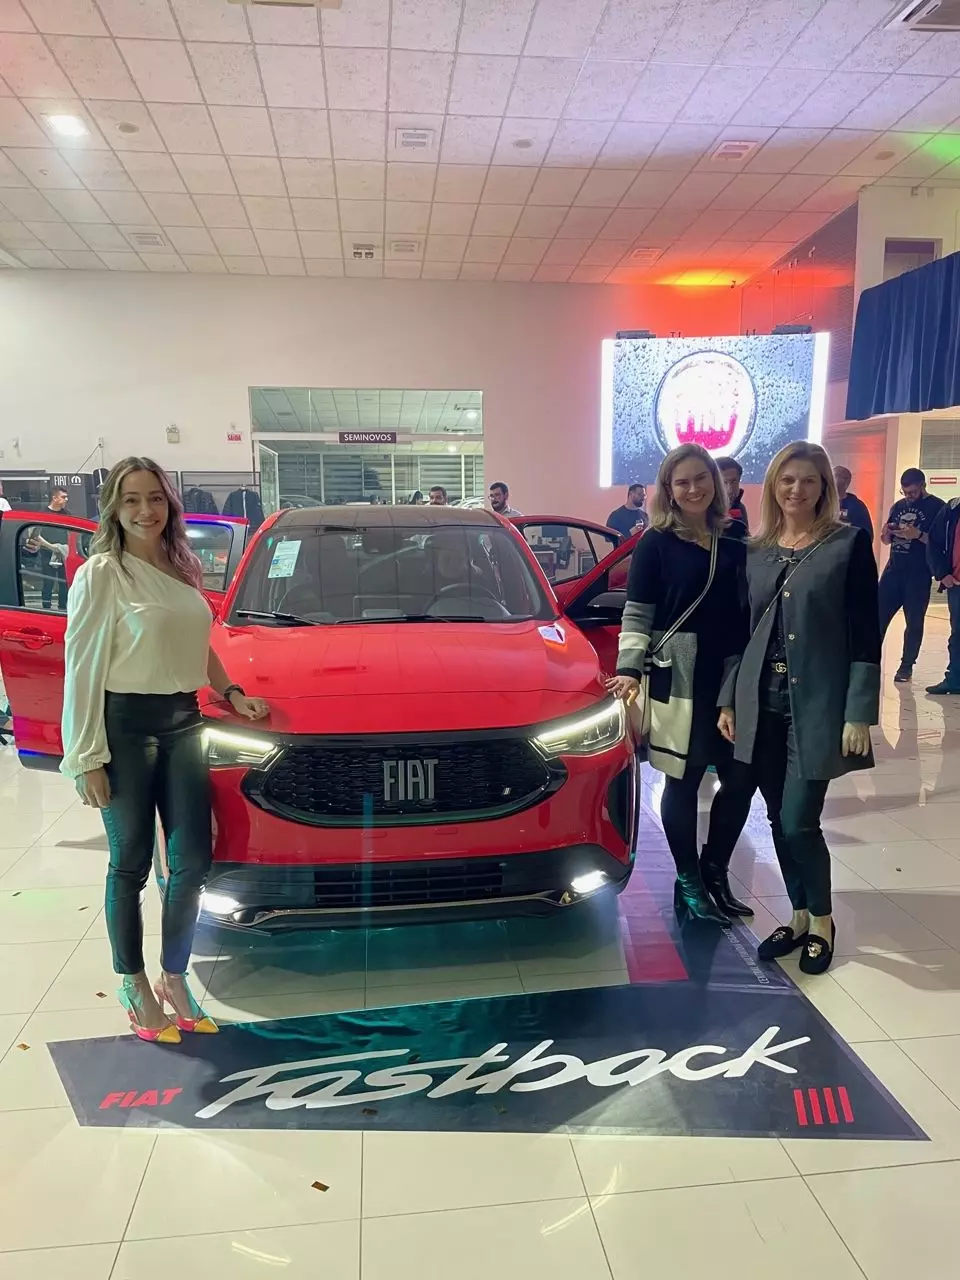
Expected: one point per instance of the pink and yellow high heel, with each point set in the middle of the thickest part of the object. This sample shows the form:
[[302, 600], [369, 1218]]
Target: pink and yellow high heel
[[201, 1024], [167, 1034]]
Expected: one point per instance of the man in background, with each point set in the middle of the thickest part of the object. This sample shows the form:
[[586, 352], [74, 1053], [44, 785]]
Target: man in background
[[4, 504], [732, 473], [500, 500], [631, 517], [905, 582], [438, 496], [943, 556], [852, 510]]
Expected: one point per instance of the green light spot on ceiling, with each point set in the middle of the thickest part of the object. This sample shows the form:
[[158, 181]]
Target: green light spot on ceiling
[[945, 146]]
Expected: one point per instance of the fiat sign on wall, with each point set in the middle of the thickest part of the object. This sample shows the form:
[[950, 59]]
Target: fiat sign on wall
[[741, 397]]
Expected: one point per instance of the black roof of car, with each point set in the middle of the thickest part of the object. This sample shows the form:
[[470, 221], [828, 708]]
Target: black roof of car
[[376, 516]]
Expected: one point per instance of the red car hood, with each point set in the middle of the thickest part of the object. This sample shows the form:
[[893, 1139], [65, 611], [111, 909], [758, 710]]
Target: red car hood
[[388, 677]]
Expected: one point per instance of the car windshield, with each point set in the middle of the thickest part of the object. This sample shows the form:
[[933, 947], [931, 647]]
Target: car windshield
[[331, 575]]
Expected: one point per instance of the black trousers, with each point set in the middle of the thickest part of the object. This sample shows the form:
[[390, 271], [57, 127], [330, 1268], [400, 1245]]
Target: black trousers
[[728, 814], [794, 804], [908, 590], [158, 766], [953, 646], [53, 575]]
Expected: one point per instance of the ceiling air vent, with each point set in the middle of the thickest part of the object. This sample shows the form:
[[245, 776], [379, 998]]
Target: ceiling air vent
[[293, 4], [928, 15], [645, 257], [734, 150], [404, 248], [414, 139], [147, 240]]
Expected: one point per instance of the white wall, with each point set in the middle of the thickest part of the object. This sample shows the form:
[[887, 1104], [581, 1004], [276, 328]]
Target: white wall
[[903, 213], [124, 356]]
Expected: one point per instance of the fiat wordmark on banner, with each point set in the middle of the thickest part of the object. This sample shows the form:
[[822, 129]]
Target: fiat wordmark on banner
[[741, 397]]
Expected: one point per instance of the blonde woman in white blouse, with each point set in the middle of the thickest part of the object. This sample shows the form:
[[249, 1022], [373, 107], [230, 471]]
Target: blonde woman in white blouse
[[137, 652]]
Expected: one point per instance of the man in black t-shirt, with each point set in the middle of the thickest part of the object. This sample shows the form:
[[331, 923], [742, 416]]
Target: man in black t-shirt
[[852, 510], [905, 582], [631, 517]]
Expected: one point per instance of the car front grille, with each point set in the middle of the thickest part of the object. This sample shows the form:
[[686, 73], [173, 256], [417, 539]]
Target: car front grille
[[386, 783], [356, 886]]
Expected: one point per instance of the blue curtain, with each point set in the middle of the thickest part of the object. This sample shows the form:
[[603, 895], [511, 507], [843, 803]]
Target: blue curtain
[[906, 343]]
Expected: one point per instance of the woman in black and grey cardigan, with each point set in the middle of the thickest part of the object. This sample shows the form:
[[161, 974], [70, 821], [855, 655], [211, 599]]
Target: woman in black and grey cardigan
[[669, 571], [800, 704]]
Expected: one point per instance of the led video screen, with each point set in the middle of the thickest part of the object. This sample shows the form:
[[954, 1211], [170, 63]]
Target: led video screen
[[741, 397]]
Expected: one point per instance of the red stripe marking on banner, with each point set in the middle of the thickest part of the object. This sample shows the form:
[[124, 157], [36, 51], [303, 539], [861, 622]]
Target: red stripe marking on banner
[[815, 1106], [845, 1106], [801, 1106], [831, 1106]]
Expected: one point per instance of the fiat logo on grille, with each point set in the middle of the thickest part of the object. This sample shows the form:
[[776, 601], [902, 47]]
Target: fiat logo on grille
[[409, 780]]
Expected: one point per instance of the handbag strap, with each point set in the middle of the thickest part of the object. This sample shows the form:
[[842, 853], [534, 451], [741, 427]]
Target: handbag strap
[[689, 612]]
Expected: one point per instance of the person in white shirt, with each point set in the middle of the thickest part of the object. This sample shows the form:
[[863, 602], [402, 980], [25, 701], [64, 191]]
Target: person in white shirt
[[137, 652], [4, 504]]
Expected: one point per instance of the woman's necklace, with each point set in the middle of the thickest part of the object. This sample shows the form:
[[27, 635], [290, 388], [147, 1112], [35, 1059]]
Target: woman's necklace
[[797, 541]]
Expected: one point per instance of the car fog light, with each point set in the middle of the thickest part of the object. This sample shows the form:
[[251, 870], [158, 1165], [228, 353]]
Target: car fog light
[[218, 904], [589, 882]]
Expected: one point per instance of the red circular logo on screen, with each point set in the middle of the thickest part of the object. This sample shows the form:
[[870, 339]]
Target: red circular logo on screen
[[707, 399]]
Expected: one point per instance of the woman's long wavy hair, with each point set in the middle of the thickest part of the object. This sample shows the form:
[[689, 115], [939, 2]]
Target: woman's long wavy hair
[[109, 538], [827, 517], [665, 514]]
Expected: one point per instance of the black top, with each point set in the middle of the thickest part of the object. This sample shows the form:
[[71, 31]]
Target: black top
[[790, 558], [627, 520], [673, 572], [910, 555], [855, 512]]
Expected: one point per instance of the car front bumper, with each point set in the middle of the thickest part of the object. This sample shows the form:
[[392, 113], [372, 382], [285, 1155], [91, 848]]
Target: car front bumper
[[261, 898]]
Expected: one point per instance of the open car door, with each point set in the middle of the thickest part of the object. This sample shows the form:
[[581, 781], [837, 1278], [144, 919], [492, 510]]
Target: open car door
[[595, 602], [566, 549], [40, 553], [219, 543]]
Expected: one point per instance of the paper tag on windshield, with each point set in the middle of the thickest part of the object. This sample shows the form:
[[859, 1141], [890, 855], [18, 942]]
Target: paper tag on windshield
[[284, 559]]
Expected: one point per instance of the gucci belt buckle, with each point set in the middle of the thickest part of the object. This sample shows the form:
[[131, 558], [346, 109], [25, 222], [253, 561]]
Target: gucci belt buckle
[[780, 668]]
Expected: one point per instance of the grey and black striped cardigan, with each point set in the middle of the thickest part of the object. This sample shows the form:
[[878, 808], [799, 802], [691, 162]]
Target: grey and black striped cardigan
[[666, 576]]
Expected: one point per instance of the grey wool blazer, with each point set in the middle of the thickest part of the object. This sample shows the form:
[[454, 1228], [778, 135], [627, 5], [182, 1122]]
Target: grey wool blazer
[[832, 630]]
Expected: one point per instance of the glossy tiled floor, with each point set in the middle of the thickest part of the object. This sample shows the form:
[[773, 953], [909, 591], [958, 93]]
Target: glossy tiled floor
[[114, 1204]]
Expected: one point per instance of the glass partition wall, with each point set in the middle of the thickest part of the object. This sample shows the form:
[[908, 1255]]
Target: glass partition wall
[[345, 445]]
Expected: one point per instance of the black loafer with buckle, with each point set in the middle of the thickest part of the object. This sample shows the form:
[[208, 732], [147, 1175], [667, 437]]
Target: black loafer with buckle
[[780, 943], [817, 952]]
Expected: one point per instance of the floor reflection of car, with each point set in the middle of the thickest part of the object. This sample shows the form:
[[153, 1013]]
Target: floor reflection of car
[[440, 738]]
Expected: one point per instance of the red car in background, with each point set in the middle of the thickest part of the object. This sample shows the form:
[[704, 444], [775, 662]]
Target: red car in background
[[440, 739]]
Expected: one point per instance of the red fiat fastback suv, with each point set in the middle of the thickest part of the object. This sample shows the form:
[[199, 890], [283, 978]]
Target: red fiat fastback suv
[[440, 740]]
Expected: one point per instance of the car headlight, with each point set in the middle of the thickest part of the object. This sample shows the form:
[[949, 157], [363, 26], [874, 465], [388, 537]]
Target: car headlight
[[585, 735], [227, 749]]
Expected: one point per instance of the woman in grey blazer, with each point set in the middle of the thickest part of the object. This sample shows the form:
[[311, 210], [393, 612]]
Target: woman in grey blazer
[[799, 706]]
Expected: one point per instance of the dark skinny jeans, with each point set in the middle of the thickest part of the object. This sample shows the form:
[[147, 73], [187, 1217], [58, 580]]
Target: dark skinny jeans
[[158, 766], [728, 814], [794, 804]]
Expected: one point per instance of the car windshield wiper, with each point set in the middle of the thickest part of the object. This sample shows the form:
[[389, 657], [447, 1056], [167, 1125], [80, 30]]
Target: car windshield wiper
[[286, 619], [429, 617]]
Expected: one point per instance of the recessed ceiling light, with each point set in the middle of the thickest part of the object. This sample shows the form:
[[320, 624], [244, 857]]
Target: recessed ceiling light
[[126, 127], [451, 448], [67, 126], [523, 144], [885, 155], [471, 415]]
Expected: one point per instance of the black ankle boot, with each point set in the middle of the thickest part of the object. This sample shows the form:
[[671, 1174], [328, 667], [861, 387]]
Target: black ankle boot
[[716, 881], [689, 896]]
